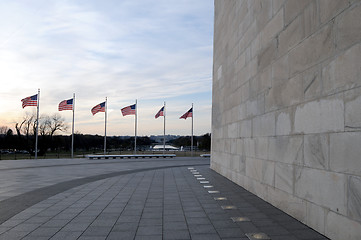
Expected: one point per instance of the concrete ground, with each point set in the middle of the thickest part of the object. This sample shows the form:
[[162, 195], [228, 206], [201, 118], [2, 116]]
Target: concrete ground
[[177, 198]]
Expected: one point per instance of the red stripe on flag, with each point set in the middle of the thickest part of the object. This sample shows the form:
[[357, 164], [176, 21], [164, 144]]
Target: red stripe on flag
[[98, 108], [130, 110], [63, 105], [187, 114], [30, 101]]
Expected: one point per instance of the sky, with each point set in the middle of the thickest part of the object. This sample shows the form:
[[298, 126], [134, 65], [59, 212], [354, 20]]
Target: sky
[[153, 51]]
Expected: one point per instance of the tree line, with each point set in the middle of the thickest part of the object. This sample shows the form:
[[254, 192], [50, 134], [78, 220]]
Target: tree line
[[50, 139]]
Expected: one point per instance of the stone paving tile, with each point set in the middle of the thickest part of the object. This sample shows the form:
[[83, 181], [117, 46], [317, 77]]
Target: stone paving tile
[[62, 235], [173, 218], [128, 219], [195, 214], [29, 237], [97, 231], [121, 235], [152, 237], [13, 235], [45, 231], [230, 232], [204, 228], [149, 230], [266, 218], [76, 226], [169, 226], [12, 222], [55, 222], [201, 220], [176, 234], [307, 235], [249, 227], [124, 227], [274, 231], [103, 222], [205, 236], [4, 229], [26, 227], [242, 238], [92, 237], [166, 203], [151, 221]]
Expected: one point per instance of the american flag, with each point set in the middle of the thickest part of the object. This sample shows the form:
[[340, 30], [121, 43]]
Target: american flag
[[160, 113], [130, 110], [98, 108], [66, 105], [30, 101], [187, 114]]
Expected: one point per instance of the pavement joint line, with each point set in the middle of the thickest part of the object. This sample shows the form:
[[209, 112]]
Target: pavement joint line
[[194, 193], [179, 197], [124, 186], [135, 188], [14, 205]]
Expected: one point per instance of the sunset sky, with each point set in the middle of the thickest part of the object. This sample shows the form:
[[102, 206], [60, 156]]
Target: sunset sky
[[152, 51]]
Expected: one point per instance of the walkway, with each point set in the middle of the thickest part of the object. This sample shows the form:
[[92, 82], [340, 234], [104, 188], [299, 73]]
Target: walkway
[[179, 198]]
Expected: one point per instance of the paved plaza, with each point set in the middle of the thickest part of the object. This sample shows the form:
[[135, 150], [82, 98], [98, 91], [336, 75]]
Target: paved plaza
[[178, 198]]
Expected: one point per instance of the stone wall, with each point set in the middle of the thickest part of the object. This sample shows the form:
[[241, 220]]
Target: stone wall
[[286, 117]]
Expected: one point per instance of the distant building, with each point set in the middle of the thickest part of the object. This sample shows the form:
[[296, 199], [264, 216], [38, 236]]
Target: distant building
[[167, 148]]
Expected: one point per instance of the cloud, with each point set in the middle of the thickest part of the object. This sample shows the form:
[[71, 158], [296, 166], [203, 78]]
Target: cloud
[[121, 49]]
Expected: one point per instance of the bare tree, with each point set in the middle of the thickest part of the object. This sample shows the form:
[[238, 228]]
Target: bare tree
[[18, 127], [56, 123], [24, 126], [43, 125], [3, 130], [49, 125]]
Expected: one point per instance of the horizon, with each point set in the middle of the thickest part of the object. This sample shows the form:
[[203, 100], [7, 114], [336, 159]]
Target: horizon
[[150, 136]]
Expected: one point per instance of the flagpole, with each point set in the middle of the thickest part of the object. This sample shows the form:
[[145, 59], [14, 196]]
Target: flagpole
[[37, 125], [192, 132], [105, 127], [135, 138], [72, 129], [164, 129]]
